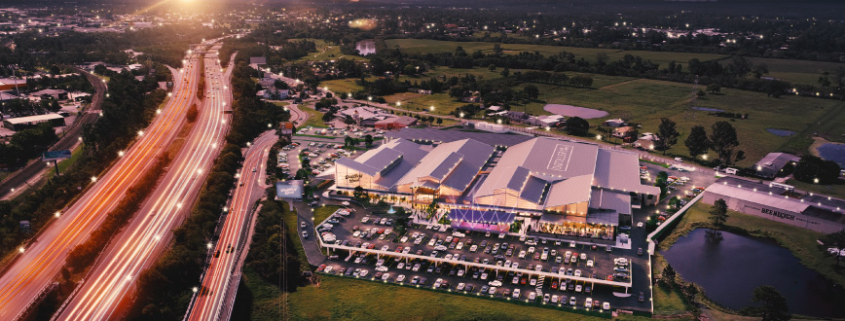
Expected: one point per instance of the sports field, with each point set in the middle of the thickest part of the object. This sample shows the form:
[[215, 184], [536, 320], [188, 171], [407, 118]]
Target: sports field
[[326, 52], [799, 71]]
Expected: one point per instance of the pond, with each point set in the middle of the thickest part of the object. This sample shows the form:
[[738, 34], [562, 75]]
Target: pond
[[780, 132], [730, 269], [834, 152], [366, 47]]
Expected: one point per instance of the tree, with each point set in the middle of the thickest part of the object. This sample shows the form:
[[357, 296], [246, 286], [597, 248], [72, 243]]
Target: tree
[[723, 141], [697, 141], [348, 141], [837, 240], [772, 304], [328, 116], [439, 121], [577, 126], [192, 113], [360, 195], [402, 220], [668, 275], [531, 91], [714, 87], [811, 168], [368, 141], [700, 93], [719, 213], [667, 133]]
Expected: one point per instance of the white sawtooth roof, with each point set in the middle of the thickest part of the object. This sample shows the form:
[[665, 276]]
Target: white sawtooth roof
[[570, 191], [776, 201]]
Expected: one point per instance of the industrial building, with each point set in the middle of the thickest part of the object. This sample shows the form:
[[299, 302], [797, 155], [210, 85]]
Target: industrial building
[[779, 202], [22, 123], [564, 187]]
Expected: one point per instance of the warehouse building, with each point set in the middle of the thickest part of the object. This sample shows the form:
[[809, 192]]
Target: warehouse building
[[780, 203]]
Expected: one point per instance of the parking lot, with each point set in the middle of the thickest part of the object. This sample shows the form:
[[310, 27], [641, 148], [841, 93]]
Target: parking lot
[[322, 151], [478, 264]]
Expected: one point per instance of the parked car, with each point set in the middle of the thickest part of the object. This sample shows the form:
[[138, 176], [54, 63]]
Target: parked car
[[516, 293]]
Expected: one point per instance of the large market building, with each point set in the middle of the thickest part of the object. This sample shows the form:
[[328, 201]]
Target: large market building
[[564, 187]]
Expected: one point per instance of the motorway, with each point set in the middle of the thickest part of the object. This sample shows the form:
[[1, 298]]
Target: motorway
[[38, 264], [148, 234], [213, 301]]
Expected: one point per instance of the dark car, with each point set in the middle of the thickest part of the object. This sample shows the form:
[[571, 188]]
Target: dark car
[[452, 272], [587, 289], [349, 271], [483, 243], [640, 251], [571, 287], [378, 275], [537, 255], [469, 287], [423, 281], [444, 284], [642, 297]]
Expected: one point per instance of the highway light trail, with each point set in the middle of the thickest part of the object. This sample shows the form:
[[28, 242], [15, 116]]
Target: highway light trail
[[147, 235], [210, 302], [43, 259]]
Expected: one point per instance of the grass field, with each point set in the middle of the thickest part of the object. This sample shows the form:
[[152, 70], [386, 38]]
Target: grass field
[[837, 190], [326, 52], [666, 301], [433, 46], [801, 242], [292, 226], [339, 298], [799, 71], [648, 100], [315, 118]]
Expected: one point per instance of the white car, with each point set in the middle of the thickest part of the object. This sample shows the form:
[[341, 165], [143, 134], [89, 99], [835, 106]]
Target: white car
[[305, 234], [400, 266], [605, 305], [515, 281], [572, 300], [459, 246], [492, 290], [437, 283], [385, 248], [416, 267], [531, 249], [532, 295], [589, 303], [473, 248], [385, 276], [589, 263], [356, 234], [404, 239], [302, 224], [461, 286], [365, 219], [532, 282], [522, 254], [484, 276], [400, 278], [363, 273], [583, 256], [639, 225], [577, 272], [432, 241], [578, 288], [328, 269], [495, 283], [538, 268], [516, 292], [381, 268], [461, 273]]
